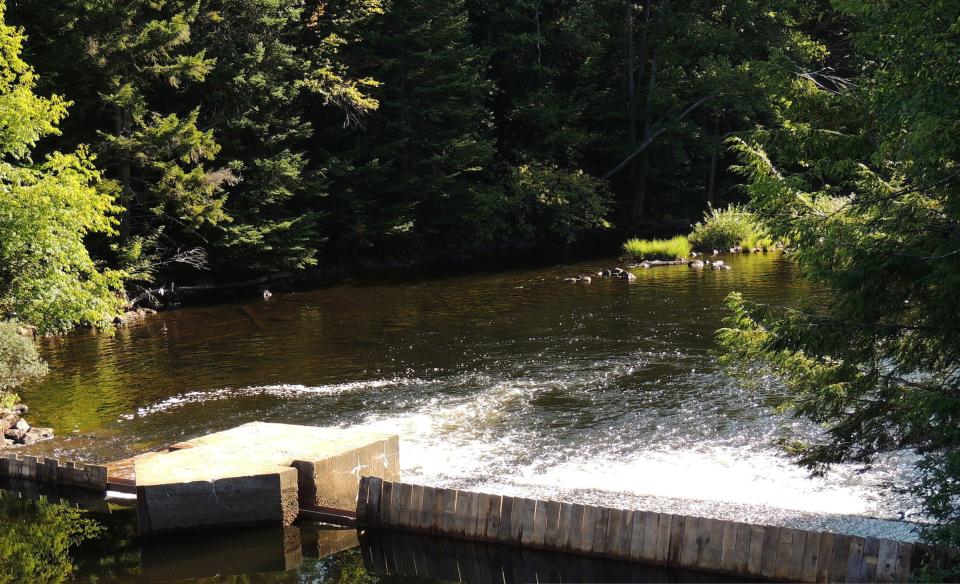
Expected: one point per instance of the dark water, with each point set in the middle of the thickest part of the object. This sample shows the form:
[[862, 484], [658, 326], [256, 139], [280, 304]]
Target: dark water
[[512, 382]]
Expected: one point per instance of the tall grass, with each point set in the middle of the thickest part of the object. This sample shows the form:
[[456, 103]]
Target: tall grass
[[727, 228], [676, 248]]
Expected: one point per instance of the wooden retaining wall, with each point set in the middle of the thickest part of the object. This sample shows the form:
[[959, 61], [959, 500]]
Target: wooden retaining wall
[[53, 471], [757, 551]]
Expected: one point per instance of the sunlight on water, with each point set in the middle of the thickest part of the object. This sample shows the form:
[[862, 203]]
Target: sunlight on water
[[513, 383]]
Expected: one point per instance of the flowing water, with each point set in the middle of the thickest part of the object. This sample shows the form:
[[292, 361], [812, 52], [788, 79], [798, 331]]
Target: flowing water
[[512, 382]]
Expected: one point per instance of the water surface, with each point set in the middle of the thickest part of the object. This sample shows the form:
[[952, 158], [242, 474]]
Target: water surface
[[512, 382]]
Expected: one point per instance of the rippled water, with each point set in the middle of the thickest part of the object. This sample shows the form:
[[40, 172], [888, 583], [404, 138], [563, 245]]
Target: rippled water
[[512, 382]]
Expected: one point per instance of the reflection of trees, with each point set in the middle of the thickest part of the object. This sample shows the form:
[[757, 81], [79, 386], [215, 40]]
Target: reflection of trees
[[37, 538]]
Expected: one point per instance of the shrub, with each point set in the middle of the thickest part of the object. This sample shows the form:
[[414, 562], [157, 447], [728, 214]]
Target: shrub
[[726, 228], [676, 248], [554, 205], [19, 362]]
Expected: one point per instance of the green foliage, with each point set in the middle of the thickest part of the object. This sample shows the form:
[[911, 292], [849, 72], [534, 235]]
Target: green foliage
[[675, 248], [19, 361], [47, 276], [555, 205], [39, 538], [421, 172], [861, 179], [727, 228]]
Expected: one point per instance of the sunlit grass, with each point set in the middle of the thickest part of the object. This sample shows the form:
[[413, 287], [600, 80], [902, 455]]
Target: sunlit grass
[[676, 248], [723, 229]]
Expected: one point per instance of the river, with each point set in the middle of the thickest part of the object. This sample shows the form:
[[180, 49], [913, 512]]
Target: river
[[512, 382]]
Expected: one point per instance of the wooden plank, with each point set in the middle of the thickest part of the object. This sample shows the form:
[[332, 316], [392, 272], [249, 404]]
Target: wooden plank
[[386, 502], [612, 528], [427, 502], [446, 523], [516, 520], [552, 536], [406, 504], [811, 557], [494, 508], [651, 532], [871, 553], [636, 535], [506, 516], [527, 519], [855, 559], [564, 527], [439, 504], [539, 524], [691, 537], [678, 526], [741, 547], [785, 546], [600, 530], [470, 515], [728, 546], [713, 551], [576, 527], [622, 549], [664, 527], [825, 560], [904, 554], [480, 517], [771, 538], [585, 543], [841, 552], [887, 561], [416, 507], [755, 557], [362, 494]]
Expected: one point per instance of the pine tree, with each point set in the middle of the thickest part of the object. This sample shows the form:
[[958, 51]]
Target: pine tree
[[422, 164]]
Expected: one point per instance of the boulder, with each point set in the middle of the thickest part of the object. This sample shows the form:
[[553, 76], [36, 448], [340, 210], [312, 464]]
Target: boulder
[[35, 435], [20, 409], [22, 425], [697, 265], [585, 279]]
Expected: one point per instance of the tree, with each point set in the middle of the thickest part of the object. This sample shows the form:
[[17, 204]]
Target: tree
[[47, 277], [128, 65], [274, 60], [861, 178], [420, 171]]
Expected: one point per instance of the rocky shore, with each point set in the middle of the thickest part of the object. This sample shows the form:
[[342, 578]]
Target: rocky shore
[[17, 431]]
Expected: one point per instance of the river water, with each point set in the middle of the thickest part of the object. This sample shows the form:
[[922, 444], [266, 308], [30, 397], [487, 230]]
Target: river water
[[512, 382]]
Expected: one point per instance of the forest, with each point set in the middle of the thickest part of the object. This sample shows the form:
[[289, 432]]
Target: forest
[[152, 142]]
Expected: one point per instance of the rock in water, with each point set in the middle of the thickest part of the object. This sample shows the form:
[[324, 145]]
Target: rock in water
[[22, 425]]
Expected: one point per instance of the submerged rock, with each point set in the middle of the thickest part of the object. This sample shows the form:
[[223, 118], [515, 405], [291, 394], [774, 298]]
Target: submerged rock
[[697, 265]]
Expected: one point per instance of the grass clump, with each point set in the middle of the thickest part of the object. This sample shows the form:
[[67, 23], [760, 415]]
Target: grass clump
[[676, 248], [727, 228]]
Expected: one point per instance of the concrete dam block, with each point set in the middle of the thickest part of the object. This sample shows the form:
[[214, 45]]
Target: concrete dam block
[[258, 474]]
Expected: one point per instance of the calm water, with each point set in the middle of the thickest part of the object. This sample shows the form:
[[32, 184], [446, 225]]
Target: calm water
[[512, 382]]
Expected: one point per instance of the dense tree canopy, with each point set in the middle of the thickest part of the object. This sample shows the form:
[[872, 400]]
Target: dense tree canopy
[[862, 180]]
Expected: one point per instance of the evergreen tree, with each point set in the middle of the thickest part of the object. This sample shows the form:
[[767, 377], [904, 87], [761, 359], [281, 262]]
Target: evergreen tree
[[274, 59], [420, 169], [861, 178]]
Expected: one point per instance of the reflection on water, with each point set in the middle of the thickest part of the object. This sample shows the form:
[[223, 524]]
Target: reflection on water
[[57, 542], [512, 382]]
